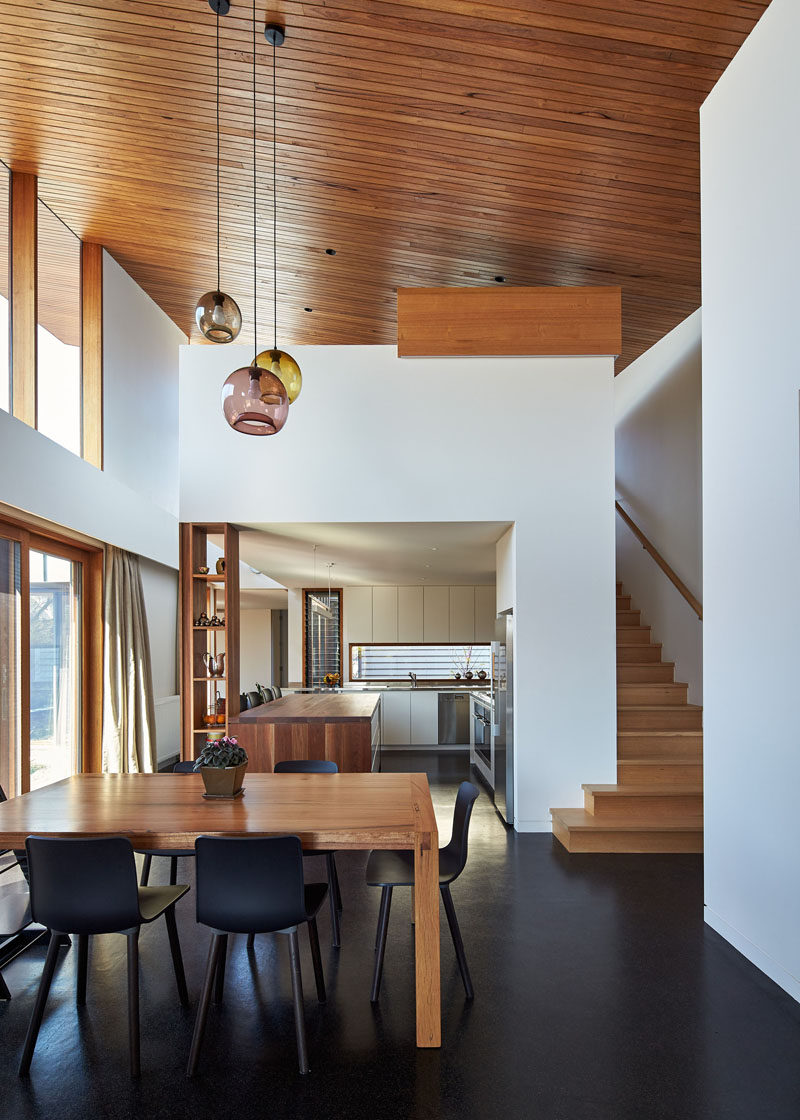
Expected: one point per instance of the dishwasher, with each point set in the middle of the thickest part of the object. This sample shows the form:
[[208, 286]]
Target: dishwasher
[[453, 719]]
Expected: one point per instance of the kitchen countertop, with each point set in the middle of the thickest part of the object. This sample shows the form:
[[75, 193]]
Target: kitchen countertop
[[310, 707]]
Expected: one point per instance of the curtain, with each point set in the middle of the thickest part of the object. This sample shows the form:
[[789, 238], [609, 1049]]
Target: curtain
[[129, 729]]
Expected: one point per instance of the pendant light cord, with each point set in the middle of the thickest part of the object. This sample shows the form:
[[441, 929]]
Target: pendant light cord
[[255, 223], [218, 252], [274, 200]]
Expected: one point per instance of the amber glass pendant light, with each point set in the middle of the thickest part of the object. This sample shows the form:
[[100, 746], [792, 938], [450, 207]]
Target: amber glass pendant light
[[278, 362], [254, 400], [217, 315]]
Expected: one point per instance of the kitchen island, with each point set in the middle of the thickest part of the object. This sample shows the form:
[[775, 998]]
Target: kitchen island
[[343, 727]]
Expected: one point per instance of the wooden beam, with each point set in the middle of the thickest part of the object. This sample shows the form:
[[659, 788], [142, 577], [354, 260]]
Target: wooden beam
[[92, 352], [504, 322], [22, 235]]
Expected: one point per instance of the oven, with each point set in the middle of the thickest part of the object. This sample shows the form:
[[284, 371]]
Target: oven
[[481, 752]]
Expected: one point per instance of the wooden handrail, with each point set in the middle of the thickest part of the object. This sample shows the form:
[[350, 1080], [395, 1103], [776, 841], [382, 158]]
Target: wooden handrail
[[647, 545]]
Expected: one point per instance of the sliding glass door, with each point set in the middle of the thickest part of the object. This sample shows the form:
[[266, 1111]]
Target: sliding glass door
[[11, 664]]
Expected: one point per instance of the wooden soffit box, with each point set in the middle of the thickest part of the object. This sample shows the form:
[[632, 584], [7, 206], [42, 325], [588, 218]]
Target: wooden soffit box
[[486, 322]]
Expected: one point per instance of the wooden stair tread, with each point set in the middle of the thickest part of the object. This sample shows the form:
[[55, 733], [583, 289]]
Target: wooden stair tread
[[650, 760], [666, 734], [661, 707], [641, 791], [578, 820]]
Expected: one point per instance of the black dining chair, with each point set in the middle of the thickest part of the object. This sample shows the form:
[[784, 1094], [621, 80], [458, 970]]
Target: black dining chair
[[87, 887], [390, 869], [319, 766], [15, 911], [178, 768], [255, 885]]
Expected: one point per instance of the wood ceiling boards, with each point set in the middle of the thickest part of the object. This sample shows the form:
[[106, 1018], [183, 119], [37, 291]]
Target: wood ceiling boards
[[445, 143]]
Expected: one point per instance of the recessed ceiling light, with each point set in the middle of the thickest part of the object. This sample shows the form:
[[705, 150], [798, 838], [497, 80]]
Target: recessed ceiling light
[[500, 279], [434, 548], [308, 308], [331, 252]]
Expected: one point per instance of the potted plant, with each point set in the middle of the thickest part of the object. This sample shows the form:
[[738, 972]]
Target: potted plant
[[222, 763]]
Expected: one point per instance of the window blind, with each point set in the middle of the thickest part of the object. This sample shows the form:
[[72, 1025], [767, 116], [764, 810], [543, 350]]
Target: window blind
[[428, 662], [323, 647]]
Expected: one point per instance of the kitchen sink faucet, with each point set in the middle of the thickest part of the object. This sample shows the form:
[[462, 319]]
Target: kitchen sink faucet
[[413, 679]]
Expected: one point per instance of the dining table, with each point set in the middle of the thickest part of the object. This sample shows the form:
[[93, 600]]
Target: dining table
[[331, 811]]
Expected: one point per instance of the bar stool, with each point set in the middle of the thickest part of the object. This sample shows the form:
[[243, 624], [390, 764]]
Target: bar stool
[[86, 887]]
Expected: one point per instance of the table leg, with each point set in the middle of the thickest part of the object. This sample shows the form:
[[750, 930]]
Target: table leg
[[426, 944]]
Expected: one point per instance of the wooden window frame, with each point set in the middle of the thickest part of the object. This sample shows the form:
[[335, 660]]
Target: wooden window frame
[[322, 591]]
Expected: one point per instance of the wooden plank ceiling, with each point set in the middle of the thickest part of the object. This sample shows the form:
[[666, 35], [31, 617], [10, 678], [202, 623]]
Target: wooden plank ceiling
[[444, 143]]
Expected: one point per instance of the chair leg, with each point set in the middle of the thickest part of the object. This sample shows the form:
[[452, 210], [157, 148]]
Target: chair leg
[[251, 941], [148, 860], [222, 960], [177, 956], [38, 1007], [173, 870], [297, 993], [336, 935], [83, 967], [458, 944], [205, 999], [336, 889], [133, 1000], [380, 941], [319, 976]]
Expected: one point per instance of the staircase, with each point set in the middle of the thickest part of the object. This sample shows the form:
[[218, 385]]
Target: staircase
[[657, 803]]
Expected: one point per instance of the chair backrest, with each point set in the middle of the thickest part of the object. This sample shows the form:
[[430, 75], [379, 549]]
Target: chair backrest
[[183, 767], [462, 813], [306, 766], [254, 699], [250, 885], [83, 886], [266, 693], [244, 703], [276, 691]]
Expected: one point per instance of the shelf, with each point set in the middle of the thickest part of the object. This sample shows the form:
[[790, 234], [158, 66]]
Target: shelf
[[212, 628], [206, 680], [211, 727], [219, 576]]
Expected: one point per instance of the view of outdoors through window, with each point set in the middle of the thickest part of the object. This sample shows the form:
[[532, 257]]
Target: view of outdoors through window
[[58, 332]]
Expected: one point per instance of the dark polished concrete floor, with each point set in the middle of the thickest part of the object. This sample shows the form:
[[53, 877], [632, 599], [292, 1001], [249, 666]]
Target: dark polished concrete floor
[[600, 995]]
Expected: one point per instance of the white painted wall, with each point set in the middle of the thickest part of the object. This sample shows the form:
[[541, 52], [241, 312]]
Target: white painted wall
[[160, 589], [657, 402], [505, 553], [255, 648], [751, 496], [399, 437]]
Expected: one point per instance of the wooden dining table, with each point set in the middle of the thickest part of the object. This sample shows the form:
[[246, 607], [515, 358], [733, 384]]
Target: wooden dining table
[[330, 811]]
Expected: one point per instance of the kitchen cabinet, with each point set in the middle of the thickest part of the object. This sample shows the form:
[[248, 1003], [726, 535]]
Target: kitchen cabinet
[[396, 707], [424, 717], [462, 614], [409, 615], [384, 614], [357, 619], [436, 618], [485, 613]]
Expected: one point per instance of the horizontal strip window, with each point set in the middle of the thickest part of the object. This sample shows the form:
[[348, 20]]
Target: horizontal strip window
[[429, 662]]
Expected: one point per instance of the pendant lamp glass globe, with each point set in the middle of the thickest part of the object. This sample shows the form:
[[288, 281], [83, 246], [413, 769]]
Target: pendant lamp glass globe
[[218, 317], [283, 366], [255, 401]]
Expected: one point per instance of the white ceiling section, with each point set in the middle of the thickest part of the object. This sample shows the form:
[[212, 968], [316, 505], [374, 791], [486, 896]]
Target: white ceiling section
[[392, 553]]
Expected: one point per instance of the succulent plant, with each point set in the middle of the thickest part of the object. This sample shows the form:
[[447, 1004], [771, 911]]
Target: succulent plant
[[221, 753]]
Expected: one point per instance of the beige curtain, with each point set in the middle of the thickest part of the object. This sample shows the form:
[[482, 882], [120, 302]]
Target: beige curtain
[[129, 729]]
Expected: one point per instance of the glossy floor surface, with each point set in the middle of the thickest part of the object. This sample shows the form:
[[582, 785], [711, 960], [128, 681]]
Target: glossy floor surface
[[600, 995]]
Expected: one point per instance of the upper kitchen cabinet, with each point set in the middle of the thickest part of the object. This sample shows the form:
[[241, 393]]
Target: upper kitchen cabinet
[[462, 614], [384, 614], [436, 617], [485, 613], [409, 615], [358, 614]]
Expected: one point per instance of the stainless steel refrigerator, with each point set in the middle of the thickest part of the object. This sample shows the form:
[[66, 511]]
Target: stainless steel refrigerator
[[503, 716]]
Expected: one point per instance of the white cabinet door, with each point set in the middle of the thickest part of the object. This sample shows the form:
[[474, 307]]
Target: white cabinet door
[[357, 619], [436, 616], [409, 614], [396, 708], [384, 614], [424, 717], [485, 613], [462, 614]]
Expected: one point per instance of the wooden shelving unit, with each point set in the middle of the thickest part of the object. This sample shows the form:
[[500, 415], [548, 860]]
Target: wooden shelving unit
[[216, 594]]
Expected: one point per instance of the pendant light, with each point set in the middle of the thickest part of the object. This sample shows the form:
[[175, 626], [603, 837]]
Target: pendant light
[[254, 400], [278, 362], [217, 315]]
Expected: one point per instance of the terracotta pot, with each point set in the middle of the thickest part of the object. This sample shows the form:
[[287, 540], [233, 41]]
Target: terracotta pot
[[223, 781]]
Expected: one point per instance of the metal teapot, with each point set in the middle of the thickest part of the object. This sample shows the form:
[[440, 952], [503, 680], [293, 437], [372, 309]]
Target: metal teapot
[[215, 665]]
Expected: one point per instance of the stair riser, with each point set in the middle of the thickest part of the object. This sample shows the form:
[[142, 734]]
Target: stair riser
[[652, 694], [634, 842], [619, 589], [638, 635], [623, 602], [638, 653], [642, 745], [629, 618], [676, 719], [635, 773], [644, 807], [659, 672]]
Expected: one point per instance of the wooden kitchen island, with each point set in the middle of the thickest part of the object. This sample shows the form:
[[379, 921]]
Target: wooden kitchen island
[[344, 727]]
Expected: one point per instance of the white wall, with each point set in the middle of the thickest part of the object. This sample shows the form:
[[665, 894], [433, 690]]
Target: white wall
[[396, 452], [657, 403], [505, 553], [255, 648], [160, 589], [751, 496]]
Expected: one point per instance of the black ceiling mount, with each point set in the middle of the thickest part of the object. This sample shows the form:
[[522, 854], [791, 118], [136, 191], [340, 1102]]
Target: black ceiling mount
[[274, 34], [220, 7]]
